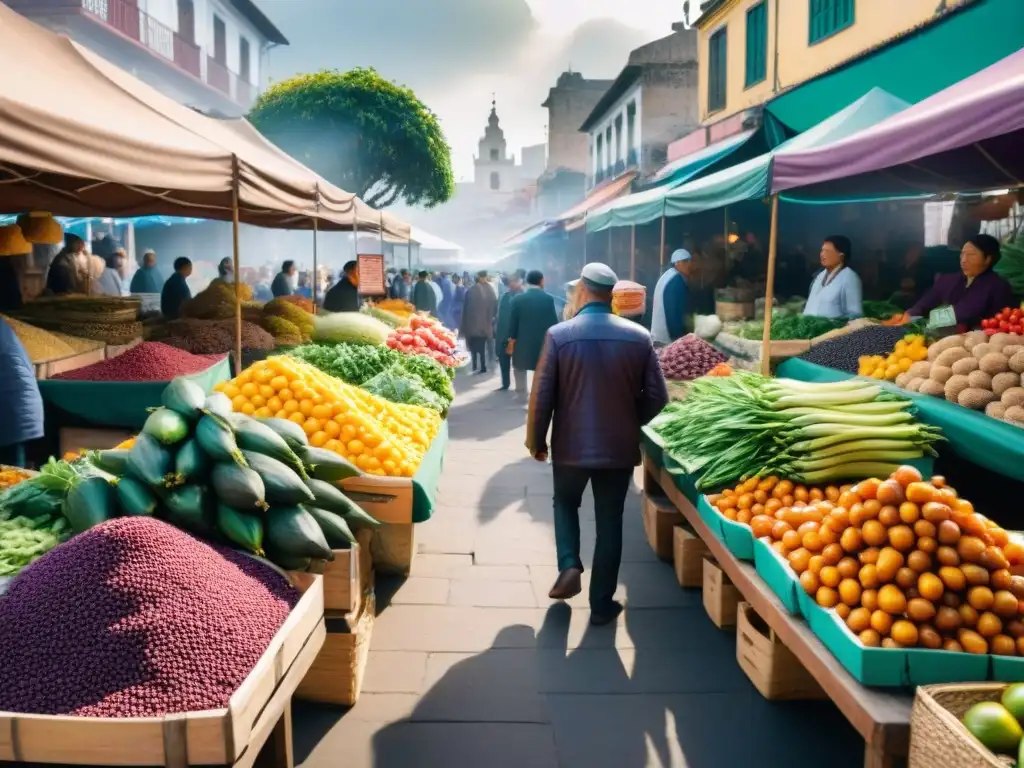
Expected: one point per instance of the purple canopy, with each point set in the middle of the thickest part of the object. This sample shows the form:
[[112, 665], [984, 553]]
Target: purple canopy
[[968, 137]]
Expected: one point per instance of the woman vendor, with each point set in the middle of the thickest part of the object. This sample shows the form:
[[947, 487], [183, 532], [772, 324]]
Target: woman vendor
[[836, 289], [968, 297]]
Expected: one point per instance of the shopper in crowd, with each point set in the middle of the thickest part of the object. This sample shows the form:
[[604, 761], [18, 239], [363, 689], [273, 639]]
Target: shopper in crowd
[[438, 295], [286, 280], [147, 278], [478, 320], [533, 313], [64, 275], [176, 291], [444, 305], [835, 290], [344, 295], [503, 325], [973, 294], [671, 299], [111, 280], [458, 301], [304, 286], [21, 406], [598, 382], [401, 288], [226, 270], [423, 296], [10, 286]]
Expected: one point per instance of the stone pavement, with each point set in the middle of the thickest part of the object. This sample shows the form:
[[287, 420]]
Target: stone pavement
[[473, 666]]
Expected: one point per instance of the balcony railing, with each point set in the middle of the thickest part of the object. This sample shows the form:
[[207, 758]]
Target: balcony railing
[[227, 82], [127, 19]]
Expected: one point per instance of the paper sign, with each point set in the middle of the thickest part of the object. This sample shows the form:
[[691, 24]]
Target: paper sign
[[371, 275], [942, 317]]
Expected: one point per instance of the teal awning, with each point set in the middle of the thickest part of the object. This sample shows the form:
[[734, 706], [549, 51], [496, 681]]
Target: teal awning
[[688, 166]]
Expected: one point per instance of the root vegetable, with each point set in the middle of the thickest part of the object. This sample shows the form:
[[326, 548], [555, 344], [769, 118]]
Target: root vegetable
[[975, 399], [980, 350], [922, 368], [903, 379], [1017, 363], [993, 363], [1004, 381], [940, 373], [965, 366], [996, 410], [1012, 396], [1000, 340], [1012, 349], [931, 387], [973, 339], [1014, 413], [980, 380], [955, 386], [940, 346], [950, 356], [914, 385]]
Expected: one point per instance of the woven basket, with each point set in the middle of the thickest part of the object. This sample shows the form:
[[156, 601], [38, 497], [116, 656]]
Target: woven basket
[[937, 737]]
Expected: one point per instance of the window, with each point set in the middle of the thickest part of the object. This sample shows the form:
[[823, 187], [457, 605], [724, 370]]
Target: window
[[716, 70], [220, 41], [494, 155], [619, 152], [244, 72], [495, 181], [757, 44], [631, 126], [828, 17], [600, 153], [187, 21]]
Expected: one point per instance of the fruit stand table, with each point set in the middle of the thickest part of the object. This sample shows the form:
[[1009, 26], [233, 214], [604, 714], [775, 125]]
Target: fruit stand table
[[881, 717]]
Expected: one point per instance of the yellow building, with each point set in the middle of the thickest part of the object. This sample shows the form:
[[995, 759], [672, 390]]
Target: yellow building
[[749, 51]]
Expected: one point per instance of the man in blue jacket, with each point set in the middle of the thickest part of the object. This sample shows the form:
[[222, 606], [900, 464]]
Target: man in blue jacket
[[21, 406], [672, 299]]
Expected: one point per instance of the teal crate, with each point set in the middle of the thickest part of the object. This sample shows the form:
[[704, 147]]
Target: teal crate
[[1007, 669], [738, 538], [928, 667], [682, 480], [776, 573], [711, 517], [880, 667], [652, 446]]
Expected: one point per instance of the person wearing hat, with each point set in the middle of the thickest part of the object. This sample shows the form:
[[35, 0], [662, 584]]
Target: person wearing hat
[[671, 299], [504, 322], [533, 312], [147, 278], [478, 316], [597, 383]]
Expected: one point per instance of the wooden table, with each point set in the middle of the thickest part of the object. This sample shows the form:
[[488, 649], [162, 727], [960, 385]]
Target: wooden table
[[881, 717]]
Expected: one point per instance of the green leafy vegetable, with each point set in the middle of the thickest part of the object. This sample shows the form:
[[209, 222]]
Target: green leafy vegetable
[[399, 386], [792, 327]]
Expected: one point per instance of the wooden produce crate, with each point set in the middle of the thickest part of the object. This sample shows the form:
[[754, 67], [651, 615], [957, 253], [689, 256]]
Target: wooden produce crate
[[258, 715], [336, 676], [347, 579], [660, 518], [938, 738], [688, 553], [51, 368], [75, 439], [770, 665], [389, 500], [721, 598]]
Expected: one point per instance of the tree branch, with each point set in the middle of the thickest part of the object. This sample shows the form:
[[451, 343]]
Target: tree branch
[[384, 197]]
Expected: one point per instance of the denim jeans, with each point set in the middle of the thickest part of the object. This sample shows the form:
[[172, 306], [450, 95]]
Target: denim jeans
[[505, 364], [609, 487]]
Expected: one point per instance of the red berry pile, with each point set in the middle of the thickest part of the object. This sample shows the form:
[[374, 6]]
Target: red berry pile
[[135, 618], [689, 358], [148, 361]]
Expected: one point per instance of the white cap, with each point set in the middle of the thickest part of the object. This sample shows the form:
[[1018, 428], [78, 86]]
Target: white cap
[[599, 274], [681, 255]]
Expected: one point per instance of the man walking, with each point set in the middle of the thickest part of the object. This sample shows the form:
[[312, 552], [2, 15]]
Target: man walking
[[478, 320], [344, 294], [671, 300], [514, 288], [285, 281], [423, 296], [597, 383], [401, 288], [533, 313]]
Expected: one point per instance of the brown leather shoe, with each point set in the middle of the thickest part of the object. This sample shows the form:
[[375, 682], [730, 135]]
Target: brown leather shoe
[[567, 585]]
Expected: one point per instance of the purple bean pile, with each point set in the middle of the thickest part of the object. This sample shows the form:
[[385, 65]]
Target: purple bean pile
[[689, 358], [135, 618]]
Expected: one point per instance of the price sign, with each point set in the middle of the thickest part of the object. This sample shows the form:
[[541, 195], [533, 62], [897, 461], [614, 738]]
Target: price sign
[[371, 275]]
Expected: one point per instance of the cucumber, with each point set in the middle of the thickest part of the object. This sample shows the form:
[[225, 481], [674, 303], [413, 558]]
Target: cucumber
[[255, 436], [288, 562], [89, 503], [333, 500], [293, 532], [290, 431], [218, 404], [243, 529], [217, 440], [283, 486], [184, 397], [135, 499], [149, 461], [167, 426], [328, 466], [335, 529], [238, 487], [114, 461], [189, 508], [192, 465]]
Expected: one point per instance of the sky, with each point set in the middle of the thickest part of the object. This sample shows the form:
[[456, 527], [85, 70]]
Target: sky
[[456, 53]]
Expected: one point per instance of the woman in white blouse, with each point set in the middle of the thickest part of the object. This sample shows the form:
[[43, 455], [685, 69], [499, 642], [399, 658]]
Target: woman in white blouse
[[836, 289]]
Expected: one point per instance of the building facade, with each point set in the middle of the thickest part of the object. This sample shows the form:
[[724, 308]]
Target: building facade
[[206, 54], [650, 104], [569, 103]]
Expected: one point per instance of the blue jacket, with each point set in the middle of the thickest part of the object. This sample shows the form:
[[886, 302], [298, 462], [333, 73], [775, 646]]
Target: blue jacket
[[671, 300], [21, 405], [147, 280]]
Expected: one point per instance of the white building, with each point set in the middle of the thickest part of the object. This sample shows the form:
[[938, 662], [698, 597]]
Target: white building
[[206, 54]]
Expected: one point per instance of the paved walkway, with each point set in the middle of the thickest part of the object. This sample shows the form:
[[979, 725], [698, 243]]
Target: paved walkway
[[473, 666]]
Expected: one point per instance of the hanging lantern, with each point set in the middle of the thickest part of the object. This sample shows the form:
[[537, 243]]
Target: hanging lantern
[[13, 242], [41, 228]]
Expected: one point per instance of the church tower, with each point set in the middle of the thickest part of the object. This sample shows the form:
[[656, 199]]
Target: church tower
[[495, 168]]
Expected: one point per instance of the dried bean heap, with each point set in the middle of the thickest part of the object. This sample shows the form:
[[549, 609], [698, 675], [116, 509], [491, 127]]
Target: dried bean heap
[[135, 618], [148, 361], [689, 358], [207, 337], [843, 352]]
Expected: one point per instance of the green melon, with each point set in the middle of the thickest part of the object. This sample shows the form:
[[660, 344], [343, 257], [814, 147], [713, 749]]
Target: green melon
[[993, 725]]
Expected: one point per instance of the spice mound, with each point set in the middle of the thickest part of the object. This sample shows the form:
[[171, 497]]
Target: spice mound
[[135, 618], [148, 361], [689, 358]]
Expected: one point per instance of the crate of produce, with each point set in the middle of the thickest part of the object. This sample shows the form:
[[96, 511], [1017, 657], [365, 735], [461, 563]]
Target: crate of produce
[[768, 663], [776, 573], [681, 479], [737, 537], [336, 677], [721, 597], [347, 580], [688, 552], [61, 365], [660, 518], [938, 736]]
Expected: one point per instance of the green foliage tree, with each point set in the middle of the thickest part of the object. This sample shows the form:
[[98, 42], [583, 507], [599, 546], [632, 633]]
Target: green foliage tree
[[365, 134]]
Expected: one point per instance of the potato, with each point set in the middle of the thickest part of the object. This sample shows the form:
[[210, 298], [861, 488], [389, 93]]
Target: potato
[[1017, 363], [955, 386], [1012, 349], [975, 399], [932, 387], [972, 339], [915, 384], [993, 363], [1003, 381], [940, 373], [940, 346], [980, 350], [950, 356], [920, 369], [1000, 340], [980, 380], [996, 410], [965, 366], [1014, 413], [903, 379], [1012, 396]]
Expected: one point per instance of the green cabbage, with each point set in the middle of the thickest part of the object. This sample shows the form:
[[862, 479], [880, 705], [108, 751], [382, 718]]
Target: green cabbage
[[350, 327]]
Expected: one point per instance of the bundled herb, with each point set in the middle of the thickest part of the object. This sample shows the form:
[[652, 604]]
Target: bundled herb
[[399, 386], [792, 327], [352, 363], [435, 376]]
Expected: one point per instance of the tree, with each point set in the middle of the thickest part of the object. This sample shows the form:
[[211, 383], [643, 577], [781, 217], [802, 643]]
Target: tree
[[365, 134]]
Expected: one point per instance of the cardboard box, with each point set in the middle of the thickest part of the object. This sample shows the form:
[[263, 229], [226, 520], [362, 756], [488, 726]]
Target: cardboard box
[[721, 597], [688, 551], [660, 518], [770, 665]]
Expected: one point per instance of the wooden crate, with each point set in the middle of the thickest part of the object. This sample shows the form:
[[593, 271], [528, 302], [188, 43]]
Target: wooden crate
[[721, 598], [347, 579], [75, 439], [770, 665], [336, 676], [660, 517], [389, 500], [235, 735], [51, 368], [688, 553]]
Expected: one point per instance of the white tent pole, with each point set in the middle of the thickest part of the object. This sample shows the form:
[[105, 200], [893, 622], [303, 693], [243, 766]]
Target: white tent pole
[[769, 292]]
